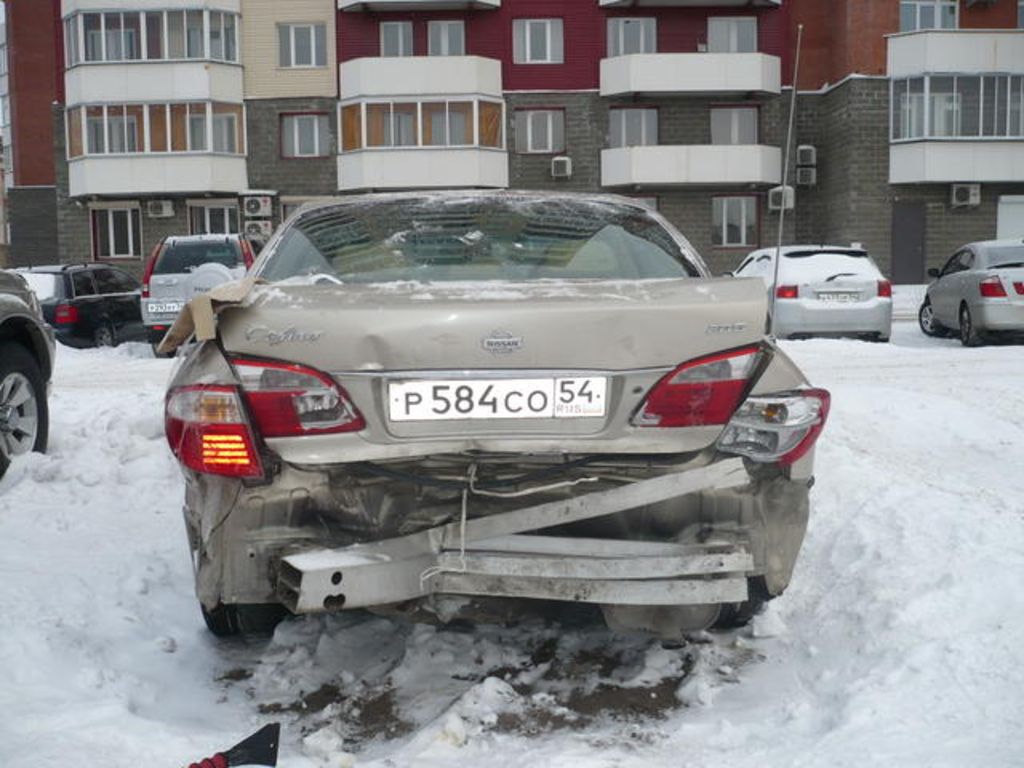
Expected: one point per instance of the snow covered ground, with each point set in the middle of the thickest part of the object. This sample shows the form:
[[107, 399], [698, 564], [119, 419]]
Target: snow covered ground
[[898, 643]]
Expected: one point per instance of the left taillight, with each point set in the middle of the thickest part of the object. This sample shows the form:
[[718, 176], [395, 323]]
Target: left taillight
[[701, 392], [208, 431], [992, 288], [288, 399], [780, 427]]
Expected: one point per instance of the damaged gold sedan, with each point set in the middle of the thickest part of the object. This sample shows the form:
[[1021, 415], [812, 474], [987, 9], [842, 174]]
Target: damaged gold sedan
[[463, 403]]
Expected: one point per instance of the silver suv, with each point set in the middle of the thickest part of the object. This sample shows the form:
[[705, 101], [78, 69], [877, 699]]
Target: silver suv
[[26, 364], [183, 267]]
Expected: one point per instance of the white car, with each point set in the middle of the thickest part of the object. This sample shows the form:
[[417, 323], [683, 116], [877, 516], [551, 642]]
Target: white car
[[823, 290]]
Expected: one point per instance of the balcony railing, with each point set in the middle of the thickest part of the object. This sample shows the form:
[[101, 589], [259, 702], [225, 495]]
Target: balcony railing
[[690, 73], [674, 165], [933, 162], [689, 3], [423, 168], [132, 175], [419, 76], [416, 5], [154, 81], [962, 51]]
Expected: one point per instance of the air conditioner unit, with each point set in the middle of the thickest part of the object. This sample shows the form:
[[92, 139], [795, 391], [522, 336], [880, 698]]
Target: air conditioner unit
[[806, 154], [781, 197], [258, 206], [806, 177], [160, 209], [561, 167], [963, 195], [259, 229]]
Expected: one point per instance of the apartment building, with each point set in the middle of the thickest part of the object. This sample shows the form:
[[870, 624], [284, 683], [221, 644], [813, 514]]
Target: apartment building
[[175, 116]]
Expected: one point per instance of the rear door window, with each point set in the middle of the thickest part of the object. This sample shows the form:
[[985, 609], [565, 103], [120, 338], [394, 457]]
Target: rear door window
[[114, 281], [185, 257], [43, 284], [82, 284]]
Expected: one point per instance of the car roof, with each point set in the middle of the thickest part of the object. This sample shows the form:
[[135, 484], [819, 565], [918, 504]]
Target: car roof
[[811, 249], [56, 268], [216, 238]]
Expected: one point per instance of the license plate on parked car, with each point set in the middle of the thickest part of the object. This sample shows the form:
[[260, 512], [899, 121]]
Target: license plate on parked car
[[554, 398], [163, 307], [839, 297]]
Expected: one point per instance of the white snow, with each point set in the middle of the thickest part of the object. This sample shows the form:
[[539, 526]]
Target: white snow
[[898, 643]]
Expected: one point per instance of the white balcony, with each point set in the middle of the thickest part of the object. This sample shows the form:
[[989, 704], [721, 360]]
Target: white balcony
[[960, 51], [687, 3], [153, 81], [925, 162], [419, 76], [416, 5], [70, 6], [690, 73], [675, 165], [156, 174], [422, 168]]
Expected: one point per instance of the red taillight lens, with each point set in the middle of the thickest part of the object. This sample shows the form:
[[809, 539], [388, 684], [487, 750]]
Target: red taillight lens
[[780, 427], [147, 273], [884, 289], [208, 432], [701, 392], [787, 292], [247, 254], [288, 399], [1019, 288], [65, 314], [992, 288]]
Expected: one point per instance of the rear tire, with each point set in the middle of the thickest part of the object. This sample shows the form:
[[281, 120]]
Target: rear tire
[[736, 615], [19, 368], [970, 336], [926, 320], [104, 336], [245, 620]]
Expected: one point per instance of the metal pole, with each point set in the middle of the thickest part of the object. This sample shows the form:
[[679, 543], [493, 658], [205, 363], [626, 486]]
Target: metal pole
[[785, 172]]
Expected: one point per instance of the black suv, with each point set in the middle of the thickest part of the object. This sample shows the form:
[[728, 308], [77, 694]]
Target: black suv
[[26, 364], [88, 305]]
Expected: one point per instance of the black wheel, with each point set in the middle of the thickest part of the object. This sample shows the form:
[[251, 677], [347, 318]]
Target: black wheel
[[24, 415], [244, 619], [735, 615], [926, 319], [104, 336], [970, 336]]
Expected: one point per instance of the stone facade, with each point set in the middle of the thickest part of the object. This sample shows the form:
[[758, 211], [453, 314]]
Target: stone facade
[[33, 219], [267, 167]]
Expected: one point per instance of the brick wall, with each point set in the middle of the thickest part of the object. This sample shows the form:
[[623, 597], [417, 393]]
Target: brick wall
[[289, 176], [32, 216]]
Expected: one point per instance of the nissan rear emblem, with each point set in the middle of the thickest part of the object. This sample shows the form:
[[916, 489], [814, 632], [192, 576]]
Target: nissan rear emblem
[[501, 343]]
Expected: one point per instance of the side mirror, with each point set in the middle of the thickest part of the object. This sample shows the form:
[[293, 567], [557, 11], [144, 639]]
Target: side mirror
[[933, 272]]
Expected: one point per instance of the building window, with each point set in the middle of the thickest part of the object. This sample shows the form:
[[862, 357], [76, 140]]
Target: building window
[[304, 136], [150, 35], [448, 123], [733, 221], [633, 127], [540, 131], [116, 233], [427, 124], [958, 106], [446, 38], [927, 14], [216, 218], [302, 45], [396, 38], [1020, 14], [627, 36], [537, 41], [737, 34], [225, 129], [734, 125], [392, 125]]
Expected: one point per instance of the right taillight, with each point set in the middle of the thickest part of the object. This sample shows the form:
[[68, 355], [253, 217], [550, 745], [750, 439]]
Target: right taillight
[[787, 292], [208, 431], [287, 399], [65, 314], [884, 289], [780, 427], [147, 273], [992, 288], [701, 392]]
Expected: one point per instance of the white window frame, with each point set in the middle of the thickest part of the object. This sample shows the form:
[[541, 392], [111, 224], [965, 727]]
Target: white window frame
[[224, 125], [291, 122], [446, 26], [315, 54], [127, 209], [227, 207], [617, 34], [521, 45], [648, 123], [405, 38], [736, 112], [936, 7], [747, 202], [733, 33], [549, 115]]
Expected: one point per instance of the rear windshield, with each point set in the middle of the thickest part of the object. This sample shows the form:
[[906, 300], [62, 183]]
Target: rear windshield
[[185, 257], [478, 238], [827, 265], [1005, 256], [43, 284]]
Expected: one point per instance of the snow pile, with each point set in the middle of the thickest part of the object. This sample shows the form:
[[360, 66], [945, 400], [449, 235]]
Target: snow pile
[[897, 644]]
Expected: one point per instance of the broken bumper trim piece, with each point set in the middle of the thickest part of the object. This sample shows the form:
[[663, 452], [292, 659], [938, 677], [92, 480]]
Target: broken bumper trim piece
[[491, 556]]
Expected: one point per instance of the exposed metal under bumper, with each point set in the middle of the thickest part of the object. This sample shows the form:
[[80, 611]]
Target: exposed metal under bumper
[[491, 556]]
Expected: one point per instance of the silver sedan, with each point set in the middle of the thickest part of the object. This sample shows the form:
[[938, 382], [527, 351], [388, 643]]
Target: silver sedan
[[978, 293]]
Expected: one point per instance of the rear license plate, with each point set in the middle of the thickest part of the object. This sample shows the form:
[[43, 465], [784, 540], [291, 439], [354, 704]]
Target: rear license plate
[[839, 297], [162, 307], [562, 398]]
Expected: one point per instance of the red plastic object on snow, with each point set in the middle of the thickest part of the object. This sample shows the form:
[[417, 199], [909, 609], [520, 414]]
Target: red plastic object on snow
[[258, 749]]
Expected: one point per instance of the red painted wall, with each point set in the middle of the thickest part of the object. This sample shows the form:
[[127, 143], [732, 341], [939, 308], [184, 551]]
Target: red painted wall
[[33, 73], [1002, 14], [489, 34]]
